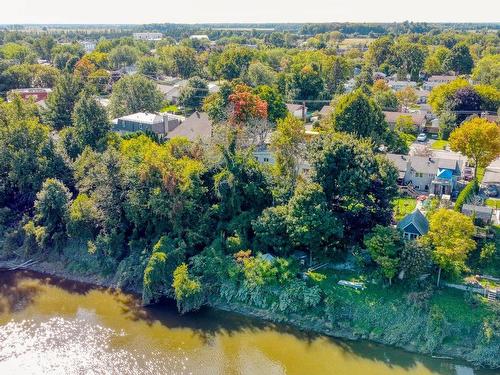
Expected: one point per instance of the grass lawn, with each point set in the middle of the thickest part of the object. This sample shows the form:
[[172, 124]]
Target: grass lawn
[[170, 108], [450, 301], [403, 206], [440, 144]]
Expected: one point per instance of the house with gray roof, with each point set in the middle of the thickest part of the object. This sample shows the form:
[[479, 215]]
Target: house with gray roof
[[481, 213], [418, 119], [158, 123], [414, 225], [197, 126], [434, 175]]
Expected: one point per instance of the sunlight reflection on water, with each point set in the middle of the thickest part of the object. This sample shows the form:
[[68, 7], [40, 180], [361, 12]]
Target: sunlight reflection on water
[[77, 346]]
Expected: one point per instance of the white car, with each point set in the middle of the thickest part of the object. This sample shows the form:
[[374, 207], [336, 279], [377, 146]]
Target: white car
[[422, 137]]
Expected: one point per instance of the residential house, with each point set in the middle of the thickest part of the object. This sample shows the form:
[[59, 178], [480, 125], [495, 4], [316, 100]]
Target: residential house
[[88, 45], [400, 85], [37, 94], [481, 213], [160, 124], [298, 110], [418, 119], [437, 80], [196, 127], [433, 175], [170, 92], [200, 37], [325, 112], [148, 36], [414, 225], [422, 96], [492, 174]]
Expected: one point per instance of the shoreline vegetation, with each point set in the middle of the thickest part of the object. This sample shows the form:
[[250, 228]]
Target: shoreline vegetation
[[450, 350]]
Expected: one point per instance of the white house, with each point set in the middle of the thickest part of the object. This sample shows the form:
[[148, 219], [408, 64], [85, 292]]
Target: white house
[[148, 36], [400, 85], [298, 110], [88, 46], [199, 37]]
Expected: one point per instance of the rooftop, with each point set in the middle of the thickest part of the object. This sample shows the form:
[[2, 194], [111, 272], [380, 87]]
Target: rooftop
[[416, 218], [143, 118], [196, 126], [391, 117]]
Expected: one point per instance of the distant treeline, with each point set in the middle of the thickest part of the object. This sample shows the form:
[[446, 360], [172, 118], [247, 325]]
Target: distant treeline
[[216, 31]]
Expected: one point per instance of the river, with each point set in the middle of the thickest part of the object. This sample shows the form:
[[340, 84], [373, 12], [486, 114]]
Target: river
[[54, 326]]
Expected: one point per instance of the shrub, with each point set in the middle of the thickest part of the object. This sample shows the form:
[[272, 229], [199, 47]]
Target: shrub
[[466, 194]]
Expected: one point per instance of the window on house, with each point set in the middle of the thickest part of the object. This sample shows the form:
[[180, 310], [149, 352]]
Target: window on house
[[266, 160]]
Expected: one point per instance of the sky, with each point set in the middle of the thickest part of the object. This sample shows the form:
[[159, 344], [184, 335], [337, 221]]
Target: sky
[[249, 11]]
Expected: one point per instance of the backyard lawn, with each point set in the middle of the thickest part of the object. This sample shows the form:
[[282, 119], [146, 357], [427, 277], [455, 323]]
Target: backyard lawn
[[440, 144], [403, 206]]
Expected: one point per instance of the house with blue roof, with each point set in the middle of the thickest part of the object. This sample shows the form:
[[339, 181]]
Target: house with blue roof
[[414, 225]]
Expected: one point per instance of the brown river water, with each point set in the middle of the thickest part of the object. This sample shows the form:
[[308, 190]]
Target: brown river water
[[52, 326]]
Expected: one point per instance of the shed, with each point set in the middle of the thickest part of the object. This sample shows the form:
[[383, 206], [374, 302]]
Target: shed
[[414, 225]]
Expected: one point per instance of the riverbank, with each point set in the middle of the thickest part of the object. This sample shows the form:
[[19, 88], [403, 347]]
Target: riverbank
[[309, 323]]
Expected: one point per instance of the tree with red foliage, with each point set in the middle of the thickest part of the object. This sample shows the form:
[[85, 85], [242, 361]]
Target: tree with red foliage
[[246, 106]]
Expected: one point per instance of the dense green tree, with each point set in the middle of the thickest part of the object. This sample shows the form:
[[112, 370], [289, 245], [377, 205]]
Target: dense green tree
[[311, 225], [233, 62], [260, 74], [357, 184], [487, 71], [19, 53], [276, 107], [434, 63], [133, 94], [51, 213], [409, 58], [386, 100], [459, 60], [179, 60], [149, 67], [336, 74], [288, 146], [122, 56], [27, 155], [90, 121], [271, 234], [415, 259], [82, 218], [357, 114], [61, 101], [385, 245], [194, 92], [380, 50], [308, 82]]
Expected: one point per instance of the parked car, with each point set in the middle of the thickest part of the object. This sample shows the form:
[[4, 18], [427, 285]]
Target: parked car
[[422, 137], [491, 191], [468, 173]]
